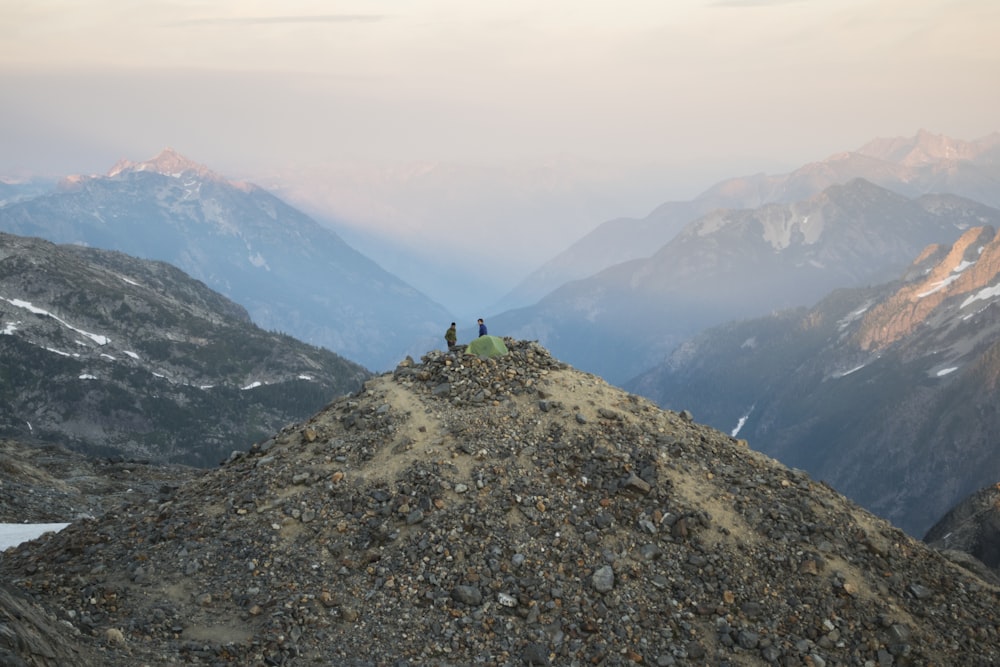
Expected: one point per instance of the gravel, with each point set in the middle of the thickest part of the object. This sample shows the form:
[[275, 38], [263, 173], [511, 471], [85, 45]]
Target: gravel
[[508, 511]]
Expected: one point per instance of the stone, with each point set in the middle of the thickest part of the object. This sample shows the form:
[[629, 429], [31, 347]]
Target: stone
[[470, 595], [604, 579]]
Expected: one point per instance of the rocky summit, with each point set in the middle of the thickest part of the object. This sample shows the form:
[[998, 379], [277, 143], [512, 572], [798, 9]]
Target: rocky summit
[[504, 511]]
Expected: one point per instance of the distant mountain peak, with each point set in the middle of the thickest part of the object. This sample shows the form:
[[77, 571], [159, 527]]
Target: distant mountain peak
[[923, 148], [169, 163]]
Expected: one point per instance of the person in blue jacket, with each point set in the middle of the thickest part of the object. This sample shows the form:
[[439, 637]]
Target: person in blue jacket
[[482, 327]]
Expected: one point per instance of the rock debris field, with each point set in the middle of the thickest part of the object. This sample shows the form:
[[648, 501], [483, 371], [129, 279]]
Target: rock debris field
[[506, 511]]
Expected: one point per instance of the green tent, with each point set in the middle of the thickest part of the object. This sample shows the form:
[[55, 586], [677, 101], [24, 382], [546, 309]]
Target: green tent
[[486, 346]]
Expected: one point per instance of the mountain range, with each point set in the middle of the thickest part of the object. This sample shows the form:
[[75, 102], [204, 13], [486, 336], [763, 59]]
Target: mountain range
[[290, 273], [514, 510], [111, 355], [726, 264], [742, 249], [887, 392], [733, 264], [911, 166]]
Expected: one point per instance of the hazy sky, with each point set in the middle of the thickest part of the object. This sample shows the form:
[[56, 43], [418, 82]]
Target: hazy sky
[[241, 83], [271, 91]]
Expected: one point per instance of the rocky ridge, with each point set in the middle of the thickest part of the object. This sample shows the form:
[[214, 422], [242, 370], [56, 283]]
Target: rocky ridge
[[507, 511], [969, 266]]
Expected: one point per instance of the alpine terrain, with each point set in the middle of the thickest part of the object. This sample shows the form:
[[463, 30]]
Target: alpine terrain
[[733, 264], [889, 393], [115, 356], [290, 273], [925, 163], [504, 511]]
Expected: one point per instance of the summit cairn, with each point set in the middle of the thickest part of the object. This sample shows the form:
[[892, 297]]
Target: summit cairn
[[504, 511]]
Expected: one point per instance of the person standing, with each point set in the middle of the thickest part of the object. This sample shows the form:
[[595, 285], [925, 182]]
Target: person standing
[[482, 327], [450, 336]]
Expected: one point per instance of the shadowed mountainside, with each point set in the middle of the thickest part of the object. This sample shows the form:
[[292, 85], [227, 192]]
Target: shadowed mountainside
[[112, 355]]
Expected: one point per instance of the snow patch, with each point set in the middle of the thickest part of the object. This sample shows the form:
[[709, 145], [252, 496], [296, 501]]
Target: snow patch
[[742, 421], [27, 305], [848, 372], [852, 317], [941, 284], [945, 371], [983, 294], [938, 286]]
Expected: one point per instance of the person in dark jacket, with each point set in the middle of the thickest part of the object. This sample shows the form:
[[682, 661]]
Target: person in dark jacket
[[482, 327], [450, 336]]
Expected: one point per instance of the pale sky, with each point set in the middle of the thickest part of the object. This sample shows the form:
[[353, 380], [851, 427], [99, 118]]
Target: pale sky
[[12, 534], [239, 83], [269, 91]]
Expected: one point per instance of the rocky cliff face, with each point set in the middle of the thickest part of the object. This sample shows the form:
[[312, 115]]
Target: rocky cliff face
[[512, 511], [969, 267]]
